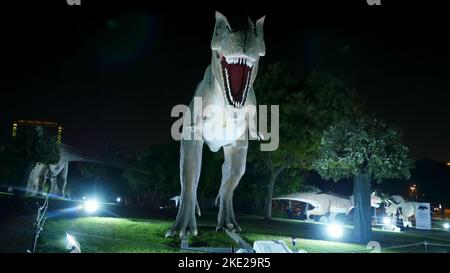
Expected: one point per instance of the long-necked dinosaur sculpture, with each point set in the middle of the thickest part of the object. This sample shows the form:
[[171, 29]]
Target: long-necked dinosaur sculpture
[[227, 84], [325, 204], [57, 173]]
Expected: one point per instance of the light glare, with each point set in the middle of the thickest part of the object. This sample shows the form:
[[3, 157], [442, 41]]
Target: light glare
[[91, 206], [334, 230]]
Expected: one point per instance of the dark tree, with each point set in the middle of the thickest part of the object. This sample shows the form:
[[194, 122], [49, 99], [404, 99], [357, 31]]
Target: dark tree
[[32, 146]]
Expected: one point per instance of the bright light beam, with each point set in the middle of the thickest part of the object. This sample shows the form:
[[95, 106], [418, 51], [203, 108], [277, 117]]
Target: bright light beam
[[91, 206]]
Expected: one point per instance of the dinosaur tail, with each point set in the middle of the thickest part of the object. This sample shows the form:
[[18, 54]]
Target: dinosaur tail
[[301, 197]]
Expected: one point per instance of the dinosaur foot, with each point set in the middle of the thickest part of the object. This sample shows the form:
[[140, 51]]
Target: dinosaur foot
[[229, 227], [185, 223], [226, 219]]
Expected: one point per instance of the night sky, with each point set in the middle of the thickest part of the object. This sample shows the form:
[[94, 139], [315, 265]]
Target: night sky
[[111, 73]]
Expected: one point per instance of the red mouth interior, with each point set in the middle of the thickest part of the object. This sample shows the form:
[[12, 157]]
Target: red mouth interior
[[238, 75]]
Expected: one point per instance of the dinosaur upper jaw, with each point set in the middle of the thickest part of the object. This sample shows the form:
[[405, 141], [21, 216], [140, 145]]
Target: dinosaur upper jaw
[[237, 74]]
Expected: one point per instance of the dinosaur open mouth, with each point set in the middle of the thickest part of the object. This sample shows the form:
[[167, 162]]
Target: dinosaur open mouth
[[237, 72]]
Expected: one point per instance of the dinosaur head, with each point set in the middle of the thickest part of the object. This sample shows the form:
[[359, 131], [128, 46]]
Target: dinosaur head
[[236, 49], [375, 200]]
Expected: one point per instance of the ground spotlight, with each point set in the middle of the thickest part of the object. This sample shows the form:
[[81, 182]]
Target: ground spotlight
[[118, 199], [91, 206], [446, 225], [72, 245], [335, 230]]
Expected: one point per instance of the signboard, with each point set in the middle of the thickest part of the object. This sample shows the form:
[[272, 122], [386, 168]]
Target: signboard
[[423, 216]]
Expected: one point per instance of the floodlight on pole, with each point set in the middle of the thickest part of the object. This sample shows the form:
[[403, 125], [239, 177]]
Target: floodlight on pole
[[72, 245]]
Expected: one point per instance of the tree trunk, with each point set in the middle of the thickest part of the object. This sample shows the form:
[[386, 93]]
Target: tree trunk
[[268, 206], [361, 213]]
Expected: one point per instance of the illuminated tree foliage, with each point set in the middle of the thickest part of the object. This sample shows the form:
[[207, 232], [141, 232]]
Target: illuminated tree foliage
[[309, 102], [364, 149]]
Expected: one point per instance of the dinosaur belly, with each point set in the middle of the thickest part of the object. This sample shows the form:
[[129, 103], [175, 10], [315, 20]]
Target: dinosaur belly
[[220, 129]]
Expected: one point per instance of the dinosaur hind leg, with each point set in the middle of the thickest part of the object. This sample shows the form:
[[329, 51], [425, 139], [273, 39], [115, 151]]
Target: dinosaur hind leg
[[190, 166], [332, 217], [232, 171]]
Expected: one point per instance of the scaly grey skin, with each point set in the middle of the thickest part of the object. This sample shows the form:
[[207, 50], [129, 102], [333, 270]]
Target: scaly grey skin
[[228, 82], [327, 203]]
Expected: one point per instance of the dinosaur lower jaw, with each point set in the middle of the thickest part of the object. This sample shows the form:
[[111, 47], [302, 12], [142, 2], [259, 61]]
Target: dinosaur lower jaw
[[237, 73]]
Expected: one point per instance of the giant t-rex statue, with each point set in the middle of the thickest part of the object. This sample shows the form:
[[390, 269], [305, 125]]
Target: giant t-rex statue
[[227, 84], [327, 203]]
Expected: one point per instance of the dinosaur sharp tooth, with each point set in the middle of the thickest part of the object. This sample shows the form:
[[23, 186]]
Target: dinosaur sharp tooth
[[227, 82]]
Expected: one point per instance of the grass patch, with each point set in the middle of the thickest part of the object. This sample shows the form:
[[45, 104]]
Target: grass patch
[[104, 234]]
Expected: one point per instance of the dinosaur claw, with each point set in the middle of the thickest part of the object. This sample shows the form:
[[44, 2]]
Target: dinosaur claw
[[194, 232], [170, 233], [182, 233]]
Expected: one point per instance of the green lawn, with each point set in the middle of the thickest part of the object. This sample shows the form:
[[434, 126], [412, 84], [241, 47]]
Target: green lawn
[[103, 234], [313, 237]]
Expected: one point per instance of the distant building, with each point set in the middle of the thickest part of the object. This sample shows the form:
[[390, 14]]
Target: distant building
[[37, 123]]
